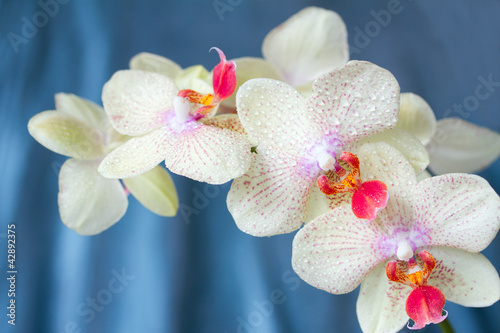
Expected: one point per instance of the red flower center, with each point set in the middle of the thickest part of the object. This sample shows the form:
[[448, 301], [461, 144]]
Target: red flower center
[[367, 197]]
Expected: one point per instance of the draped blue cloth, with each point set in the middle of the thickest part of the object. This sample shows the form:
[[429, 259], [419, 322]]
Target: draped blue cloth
[[197, 272]]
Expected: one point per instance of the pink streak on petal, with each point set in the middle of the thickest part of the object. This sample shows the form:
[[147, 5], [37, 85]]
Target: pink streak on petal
[[371, 197], [224, 76], [425, 306]]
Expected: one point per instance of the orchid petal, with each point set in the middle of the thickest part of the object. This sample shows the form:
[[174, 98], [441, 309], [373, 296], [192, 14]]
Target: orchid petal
[[383, 162], [66, 135], [460, 146], [308, 44], [94, 116], [465, 278], [208, 154], [271, 198], [196, 78], [229, 121], [336, 251], [305, 90], [357, 100], [137, 155], [88, 112], [456, 210], [149, 62], [272, 112], [403, 141], [251, 68], [416, 117], [423, 175], [155, 190], [381, 303], [318, 203], [88, 202], [136, 101], [339, 199]]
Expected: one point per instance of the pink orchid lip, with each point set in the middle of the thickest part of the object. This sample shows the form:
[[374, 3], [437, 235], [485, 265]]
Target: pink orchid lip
[[367, 197], [425, 303], [425, 306]]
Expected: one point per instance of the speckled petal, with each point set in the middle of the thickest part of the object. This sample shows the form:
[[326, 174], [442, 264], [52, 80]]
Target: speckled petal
[[457, 210], [251, 68], [66, 135], [357, 100], [308, 44], [339, 199], [416, 117], [319, 203], [136, 101], [465, 278], [209, 154], [274, 113], [460, 146], [271, 198], [149, 62], [137, 155], [381, 303], [336, 250], [155, 190], [229, 121], [403, 141], [88, 202]]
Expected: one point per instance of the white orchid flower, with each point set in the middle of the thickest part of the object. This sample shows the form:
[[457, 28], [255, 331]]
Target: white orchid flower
[[302, 142], [444, 222], [88, 202], [193, 143]]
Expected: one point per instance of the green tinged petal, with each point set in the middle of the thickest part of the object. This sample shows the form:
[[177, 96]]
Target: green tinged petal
[[86, 111], [88, 202], [66, 135], [154, 63], [155, 190], [403, 141], [196, 78], [416, 117]]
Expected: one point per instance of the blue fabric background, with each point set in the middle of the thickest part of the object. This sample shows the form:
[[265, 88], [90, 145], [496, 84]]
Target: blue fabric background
[[199, 273]]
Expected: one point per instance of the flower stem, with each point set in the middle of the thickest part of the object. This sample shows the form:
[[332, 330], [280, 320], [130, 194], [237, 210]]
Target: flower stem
[[445, 326]]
